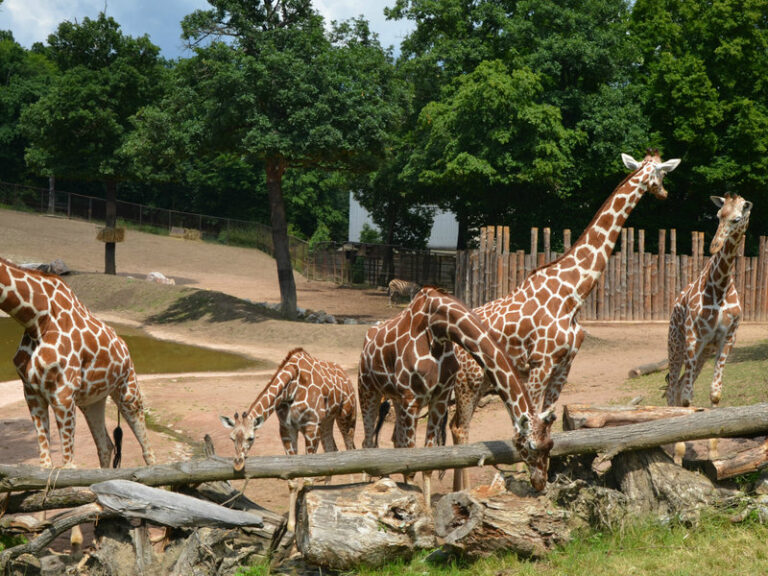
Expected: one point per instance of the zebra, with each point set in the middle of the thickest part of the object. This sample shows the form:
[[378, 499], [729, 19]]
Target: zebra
[[402, 288]]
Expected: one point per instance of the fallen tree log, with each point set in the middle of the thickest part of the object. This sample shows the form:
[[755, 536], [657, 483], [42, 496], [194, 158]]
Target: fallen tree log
[[650, 368], [745, 461], [723, 422], [38, 500], [577, 416]]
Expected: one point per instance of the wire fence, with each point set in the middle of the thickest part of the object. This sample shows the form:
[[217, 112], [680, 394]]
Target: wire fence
[[229, 231]]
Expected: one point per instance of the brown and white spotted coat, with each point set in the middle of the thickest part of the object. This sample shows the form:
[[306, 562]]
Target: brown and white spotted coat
[[69, 359], [409, 360], [707, 313], [309, 395], [536, 323]]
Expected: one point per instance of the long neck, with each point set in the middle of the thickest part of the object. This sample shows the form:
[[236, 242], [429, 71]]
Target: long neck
[[276, 392], [722, 263], [583, 264], [460, 326], [23, 297]]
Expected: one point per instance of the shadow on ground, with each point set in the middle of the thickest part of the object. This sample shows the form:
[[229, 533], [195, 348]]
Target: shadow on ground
[[214, 307]]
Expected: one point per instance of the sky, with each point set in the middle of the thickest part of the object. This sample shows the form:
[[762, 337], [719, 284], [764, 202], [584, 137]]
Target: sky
[[33, 20]]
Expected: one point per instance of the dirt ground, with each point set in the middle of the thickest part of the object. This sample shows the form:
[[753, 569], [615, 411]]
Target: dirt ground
[[186, 406]]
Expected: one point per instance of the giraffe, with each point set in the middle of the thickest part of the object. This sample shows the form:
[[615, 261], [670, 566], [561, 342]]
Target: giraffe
[[536, 323], [309, 395], [707, 313], [69, 359], [409, 360]]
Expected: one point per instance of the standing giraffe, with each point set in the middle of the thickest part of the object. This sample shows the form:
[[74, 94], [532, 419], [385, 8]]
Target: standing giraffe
[[707, 313], [409, 359], [308, 395], [536, 323], [69, 359]]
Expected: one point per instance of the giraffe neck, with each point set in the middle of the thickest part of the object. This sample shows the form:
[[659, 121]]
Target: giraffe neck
[[462, 327], [721, 264], [277, 391], [582, 266], [23, 297]]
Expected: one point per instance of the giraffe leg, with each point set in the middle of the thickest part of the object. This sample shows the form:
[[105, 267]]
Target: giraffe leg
[[94, 416], [716, 388], [693, 363], [129, 402], [675, 354], [467, 395], [38, 410], [329, 444]]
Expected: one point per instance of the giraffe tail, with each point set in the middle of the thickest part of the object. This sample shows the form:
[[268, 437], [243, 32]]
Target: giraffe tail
[[117, 435], [383, 411]]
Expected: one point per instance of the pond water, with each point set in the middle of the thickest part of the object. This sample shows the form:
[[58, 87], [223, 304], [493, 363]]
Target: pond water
[[150, 356]]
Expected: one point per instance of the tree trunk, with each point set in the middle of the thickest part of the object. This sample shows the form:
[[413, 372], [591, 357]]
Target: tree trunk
[[530, 526], [51, 195], [576, 416], [110, 222], [342, 527], [739, 457], [275, 169]]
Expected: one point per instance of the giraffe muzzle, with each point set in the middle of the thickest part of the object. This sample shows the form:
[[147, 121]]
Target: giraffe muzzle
[[238, 464]]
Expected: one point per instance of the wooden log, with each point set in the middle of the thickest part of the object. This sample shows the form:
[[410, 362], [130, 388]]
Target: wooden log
[[576, 416], [723, 422], [649, 368], [735, 464], [527, 525], [653, 483], [134, 500], [342, 527], [37, 501]]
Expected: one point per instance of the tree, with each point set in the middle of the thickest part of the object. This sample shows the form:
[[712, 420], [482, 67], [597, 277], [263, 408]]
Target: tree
[[317, 99], [78, 125]]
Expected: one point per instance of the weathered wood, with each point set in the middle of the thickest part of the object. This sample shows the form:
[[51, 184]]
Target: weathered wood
[[576, 416], [37, 501], [649, 368], [653, 483], [734, 464], [342, 527], [530, 526], [134, 500], [723, 422]]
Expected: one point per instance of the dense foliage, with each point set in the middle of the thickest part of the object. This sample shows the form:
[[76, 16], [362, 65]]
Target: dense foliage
[[507, 111]]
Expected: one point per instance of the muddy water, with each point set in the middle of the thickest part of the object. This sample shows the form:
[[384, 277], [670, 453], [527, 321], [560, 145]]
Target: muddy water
[[150, 356]]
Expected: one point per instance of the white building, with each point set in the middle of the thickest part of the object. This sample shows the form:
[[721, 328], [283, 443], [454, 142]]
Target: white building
[[445, 228]]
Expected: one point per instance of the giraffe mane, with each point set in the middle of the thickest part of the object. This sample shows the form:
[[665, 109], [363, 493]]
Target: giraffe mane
[[588, 226], [288, 356]]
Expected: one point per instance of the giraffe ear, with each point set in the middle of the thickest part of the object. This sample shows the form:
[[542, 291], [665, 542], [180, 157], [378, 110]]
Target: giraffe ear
[[548, 416], [717, 201], [227, 421], [257, 422], [669, 165], [747, 207], [630, 162]]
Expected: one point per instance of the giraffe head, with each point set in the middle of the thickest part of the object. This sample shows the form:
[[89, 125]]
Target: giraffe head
[[243, 432], [651, 171], [733, 214], [534, 444]]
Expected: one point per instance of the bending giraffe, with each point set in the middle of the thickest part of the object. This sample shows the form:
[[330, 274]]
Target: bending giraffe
[[409, 360], [536, 323], [69, 359], [707, 313], [309, 395]]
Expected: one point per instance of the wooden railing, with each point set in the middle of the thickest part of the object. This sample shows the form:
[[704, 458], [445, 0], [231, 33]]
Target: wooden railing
[[635, 285]]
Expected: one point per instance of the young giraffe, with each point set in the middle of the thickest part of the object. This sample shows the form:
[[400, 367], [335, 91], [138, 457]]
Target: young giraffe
[[536, 323], [309, 395], [409, 360], [707, 313], [69, 359]]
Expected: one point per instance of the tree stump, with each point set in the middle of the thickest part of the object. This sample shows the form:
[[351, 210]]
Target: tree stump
[[479, 526], [654, 484], [341, 527]]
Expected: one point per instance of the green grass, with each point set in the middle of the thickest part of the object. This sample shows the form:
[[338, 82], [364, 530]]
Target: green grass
[[745, 380], [716, 546]]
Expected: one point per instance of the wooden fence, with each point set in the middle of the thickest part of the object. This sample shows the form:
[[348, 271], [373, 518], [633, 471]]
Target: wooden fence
[[635, 285]]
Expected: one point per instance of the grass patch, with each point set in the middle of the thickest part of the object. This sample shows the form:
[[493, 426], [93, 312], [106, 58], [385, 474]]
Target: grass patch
[[745, 379]]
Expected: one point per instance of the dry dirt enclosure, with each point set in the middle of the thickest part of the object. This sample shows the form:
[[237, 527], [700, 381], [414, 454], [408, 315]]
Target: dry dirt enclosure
[[185, 407]]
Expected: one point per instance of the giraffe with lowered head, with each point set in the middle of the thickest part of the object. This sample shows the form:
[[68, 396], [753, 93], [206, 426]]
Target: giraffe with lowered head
[[69, 359], [536, 323], [409, 360], [309, 395]]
